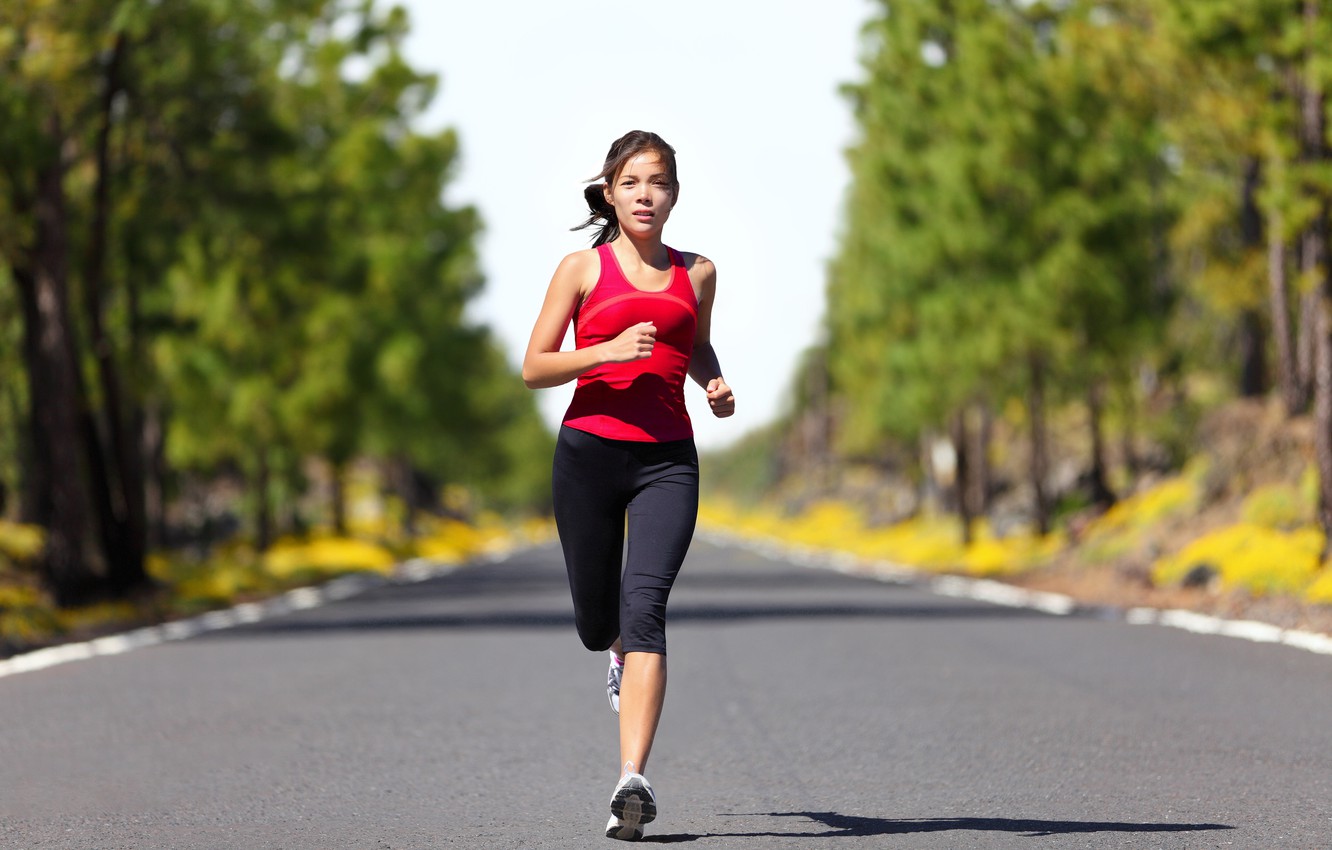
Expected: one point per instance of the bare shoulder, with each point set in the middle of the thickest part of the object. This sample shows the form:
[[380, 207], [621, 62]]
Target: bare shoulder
[[581, 261], [701, 270], [578, 270]]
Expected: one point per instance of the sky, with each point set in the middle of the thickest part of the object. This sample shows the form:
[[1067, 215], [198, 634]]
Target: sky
[[746, 93]]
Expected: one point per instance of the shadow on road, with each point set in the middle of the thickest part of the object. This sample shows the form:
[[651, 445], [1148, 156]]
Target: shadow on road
[[850, 826], [519, 595]]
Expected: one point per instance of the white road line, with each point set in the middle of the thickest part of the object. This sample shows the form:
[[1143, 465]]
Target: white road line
[[998, 593], [303, 598]]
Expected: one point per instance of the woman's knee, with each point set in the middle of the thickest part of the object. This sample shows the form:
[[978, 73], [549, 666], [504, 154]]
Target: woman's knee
[[598, 636]]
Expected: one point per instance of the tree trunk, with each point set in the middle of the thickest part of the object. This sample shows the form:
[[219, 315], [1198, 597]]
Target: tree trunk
[[1101, 494], [49, 348], [1313, 153], [1278, 293], [1313, 261], [1253, 345], [339, 497], [1039, 445], [155, 479], [962, 474], [123, 510], [1323, 417], [1253, 359], [263, 508], [1323, 390], [1128, 437], [980, 461], [35, 483], [1304, 346]]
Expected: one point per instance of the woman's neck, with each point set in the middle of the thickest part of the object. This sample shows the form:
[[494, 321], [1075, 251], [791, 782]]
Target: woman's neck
[[650, 252]]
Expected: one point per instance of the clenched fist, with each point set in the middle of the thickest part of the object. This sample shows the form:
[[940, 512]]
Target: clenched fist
[[634, 343], [720, 398]]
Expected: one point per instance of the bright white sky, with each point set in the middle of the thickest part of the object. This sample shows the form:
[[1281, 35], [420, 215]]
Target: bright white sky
[[746, 93]]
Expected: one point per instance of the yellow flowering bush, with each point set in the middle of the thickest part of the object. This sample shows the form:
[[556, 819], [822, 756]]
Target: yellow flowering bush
[[825, 525], [98, 615], [756, 522], [929, 542], [24, 614], [326, 554], [452, 541], [1120, 529], [21, 542], [1170, 498], [990, 556], [926, 542], [1320, 592], [1277, 506], [1252, 557]]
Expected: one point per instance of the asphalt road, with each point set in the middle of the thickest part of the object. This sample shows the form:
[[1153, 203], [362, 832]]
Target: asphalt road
[[806, 709]]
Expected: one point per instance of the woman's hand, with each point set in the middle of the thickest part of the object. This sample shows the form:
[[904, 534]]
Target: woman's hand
[[720, 398], [634, 343]]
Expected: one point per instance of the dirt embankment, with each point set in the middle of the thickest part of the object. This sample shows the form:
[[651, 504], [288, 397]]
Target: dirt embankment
[[1244, 447]]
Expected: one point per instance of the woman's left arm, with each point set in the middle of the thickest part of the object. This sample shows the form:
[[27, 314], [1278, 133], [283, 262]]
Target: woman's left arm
[[703, 365]]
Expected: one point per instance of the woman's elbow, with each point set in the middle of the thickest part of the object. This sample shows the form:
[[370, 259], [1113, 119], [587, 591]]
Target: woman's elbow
[[535, 378]]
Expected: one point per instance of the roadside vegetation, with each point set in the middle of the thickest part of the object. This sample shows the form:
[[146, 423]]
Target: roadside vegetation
[[1076, 329], [194, 580]]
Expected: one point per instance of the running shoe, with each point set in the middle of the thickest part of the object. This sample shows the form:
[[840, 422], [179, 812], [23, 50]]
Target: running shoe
[[632, 805], [613, 677]]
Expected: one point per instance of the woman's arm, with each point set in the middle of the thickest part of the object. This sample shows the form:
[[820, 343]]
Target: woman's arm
[[544, 364], [703, 365]]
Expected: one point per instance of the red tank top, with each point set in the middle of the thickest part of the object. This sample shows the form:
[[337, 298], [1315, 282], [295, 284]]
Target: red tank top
[[642, 400]]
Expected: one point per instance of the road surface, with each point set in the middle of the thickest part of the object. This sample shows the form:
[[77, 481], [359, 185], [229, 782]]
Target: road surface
[[806, 709]]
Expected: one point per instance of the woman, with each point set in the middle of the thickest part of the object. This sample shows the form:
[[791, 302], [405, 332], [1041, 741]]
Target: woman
[[642, 321]]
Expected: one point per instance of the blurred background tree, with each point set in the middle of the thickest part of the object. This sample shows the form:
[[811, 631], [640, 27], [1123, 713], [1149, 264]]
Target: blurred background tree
[[228, 253], [1111, 211]]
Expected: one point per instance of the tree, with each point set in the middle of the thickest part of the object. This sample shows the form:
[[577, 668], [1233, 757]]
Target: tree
[[998, 242], [234, 198]]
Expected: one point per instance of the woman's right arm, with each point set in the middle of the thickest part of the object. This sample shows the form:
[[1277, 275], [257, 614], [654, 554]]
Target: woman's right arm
[[544, 364]]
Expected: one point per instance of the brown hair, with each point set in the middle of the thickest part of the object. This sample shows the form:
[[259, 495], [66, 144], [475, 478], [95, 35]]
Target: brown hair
[[626, 147]]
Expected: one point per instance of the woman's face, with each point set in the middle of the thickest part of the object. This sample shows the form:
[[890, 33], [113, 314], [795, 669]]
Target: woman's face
[[642, 194]]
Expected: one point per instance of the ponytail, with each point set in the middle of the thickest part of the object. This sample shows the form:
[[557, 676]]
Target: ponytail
[[600, 211]]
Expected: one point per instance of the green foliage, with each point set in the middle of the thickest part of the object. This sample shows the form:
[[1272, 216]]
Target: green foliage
[[1002, 210], [748, 471], [283, 279]]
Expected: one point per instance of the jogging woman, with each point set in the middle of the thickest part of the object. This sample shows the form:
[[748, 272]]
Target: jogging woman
[[642, 319]]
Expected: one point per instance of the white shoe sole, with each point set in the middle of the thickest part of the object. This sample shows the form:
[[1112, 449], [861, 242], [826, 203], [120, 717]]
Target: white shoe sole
[[622, 831], [634, 805]]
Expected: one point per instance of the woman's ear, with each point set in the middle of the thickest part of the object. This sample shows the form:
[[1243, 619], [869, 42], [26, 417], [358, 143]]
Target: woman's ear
[[675, 196], [606, 193]]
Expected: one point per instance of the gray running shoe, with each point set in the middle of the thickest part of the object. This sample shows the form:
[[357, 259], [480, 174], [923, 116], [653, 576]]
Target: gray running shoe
[[613, 677], [633, 804]]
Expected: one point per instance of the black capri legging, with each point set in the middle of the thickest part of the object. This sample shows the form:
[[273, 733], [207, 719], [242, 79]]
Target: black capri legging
[[595, 481]]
